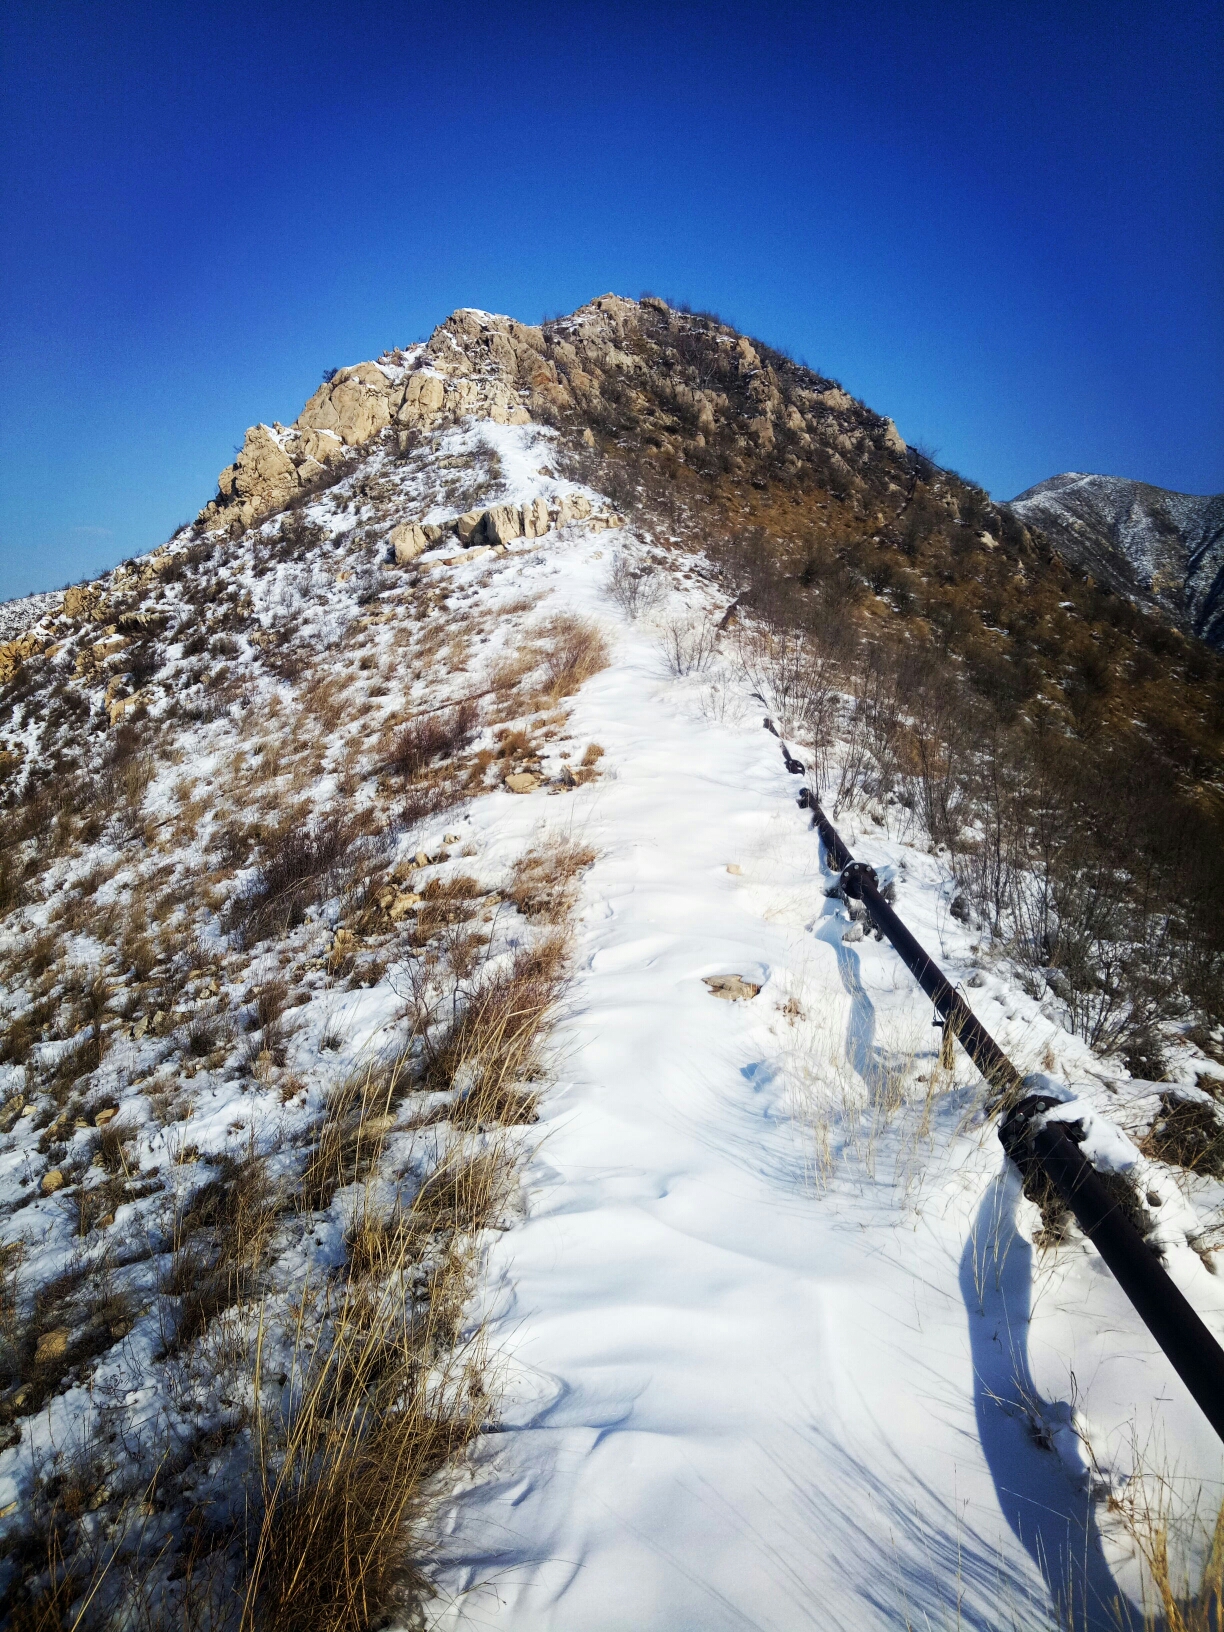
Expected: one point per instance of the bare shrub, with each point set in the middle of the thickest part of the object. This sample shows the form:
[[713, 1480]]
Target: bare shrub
[[433, 737], [1187, 1133], [637, 588], [688, 645], [304, 860]]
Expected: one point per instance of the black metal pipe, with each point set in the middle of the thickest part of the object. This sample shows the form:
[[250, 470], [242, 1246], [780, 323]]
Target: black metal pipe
[[1031, 1140], [860, 884]]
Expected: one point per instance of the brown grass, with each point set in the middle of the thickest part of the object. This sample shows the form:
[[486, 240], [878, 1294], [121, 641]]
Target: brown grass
[[574, 650], [386, 1398], [544, 882], [490, 1051]]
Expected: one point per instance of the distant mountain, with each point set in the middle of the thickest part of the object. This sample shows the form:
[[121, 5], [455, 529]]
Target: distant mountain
[[1160, 548]]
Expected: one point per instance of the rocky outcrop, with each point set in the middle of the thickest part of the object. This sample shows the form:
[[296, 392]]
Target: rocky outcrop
[[1161, 549], [500, 525]]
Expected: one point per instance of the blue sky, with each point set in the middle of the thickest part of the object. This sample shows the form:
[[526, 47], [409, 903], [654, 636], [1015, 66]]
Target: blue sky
[[1001, 224]]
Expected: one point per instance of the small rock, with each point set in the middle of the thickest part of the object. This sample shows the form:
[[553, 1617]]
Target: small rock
[[1153, 1200], [522, 782], [103, 1117], [421, 859], [733, 988], [852, 932], [734, 867], [402, 905], [450, 838], [52, 1181], [52, 1345]]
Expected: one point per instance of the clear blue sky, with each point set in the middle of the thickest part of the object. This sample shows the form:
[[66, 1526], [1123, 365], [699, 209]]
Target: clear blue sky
[[1002, 224]]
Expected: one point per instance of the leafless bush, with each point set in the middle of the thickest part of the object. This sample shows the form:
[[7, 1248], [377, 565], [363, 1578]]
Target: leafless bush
[[636, 587], [304, 861], [688, 645], [431, 738]]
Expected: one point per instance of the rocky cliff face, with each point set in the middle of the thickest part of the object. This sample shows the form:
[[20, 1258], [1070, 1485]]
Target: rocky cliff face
[[1164, 550]]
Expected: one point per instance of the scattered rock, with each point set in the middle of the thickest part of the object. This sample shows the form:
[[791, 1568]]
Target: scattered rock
[[522, 782], [103, 1117], [733, 988], [402, 905]]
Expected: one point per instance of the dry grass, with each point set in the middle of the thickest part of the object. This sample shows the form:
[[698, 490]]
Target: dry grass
[[489, 1054], [387, 1391], [544, 882], [221, 1240], [574, 650], [353, 1133]]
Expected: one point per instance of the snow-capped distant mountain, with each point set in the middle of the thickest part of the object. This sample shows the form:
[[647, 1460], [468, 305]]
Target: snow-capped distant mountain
[[1161, 548]]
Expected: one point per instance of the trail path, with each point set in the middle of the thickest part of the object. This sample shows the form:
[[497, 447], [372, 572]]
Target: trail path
[[736, 1399]]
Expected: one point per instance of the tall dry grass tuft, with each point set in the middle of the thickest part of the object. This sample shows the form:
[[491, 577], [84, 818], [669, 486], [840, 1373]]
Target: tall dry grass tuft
[[379, 1399], [489, 1054], [574, 650], [350, 1140]]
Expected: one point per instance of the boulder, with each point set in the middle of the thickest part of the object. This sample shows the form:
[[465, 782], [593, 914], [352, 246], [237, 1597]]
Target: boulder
[[572, 507], [52, 1345], [535, 518], [319, 446], [408, 541], [467, 524], [522, 782], [84, 601], [503, 523]]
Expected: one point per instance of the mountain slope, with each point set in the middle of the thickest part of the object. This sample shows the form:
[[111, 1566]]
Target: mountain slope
[[371, 1133], [1164, 549]]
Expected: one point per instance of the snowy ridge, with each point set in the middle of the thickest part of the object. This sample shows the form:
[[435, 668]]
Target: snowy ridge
[[1165, 549], [779, 1342]]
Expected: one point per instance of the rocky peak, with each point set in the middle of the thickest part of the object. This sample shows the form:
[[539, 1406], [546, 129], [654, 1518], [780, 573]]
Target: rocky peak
[[688, 383]]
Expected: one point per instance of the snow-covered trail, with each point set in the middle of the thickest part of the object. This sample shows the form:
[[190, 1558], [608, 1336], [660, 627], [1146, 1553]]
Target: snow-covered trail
[[735, 1399]]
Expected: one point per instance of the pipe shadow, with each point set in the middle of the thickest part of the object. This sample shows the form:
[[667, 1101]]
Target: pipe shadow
[[1050, 1512], [875, 1065]]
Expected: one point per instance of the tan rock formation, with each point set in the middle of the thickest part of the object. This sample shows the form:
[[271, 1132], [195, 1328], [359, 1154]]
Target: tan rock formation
[[408, 540]]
